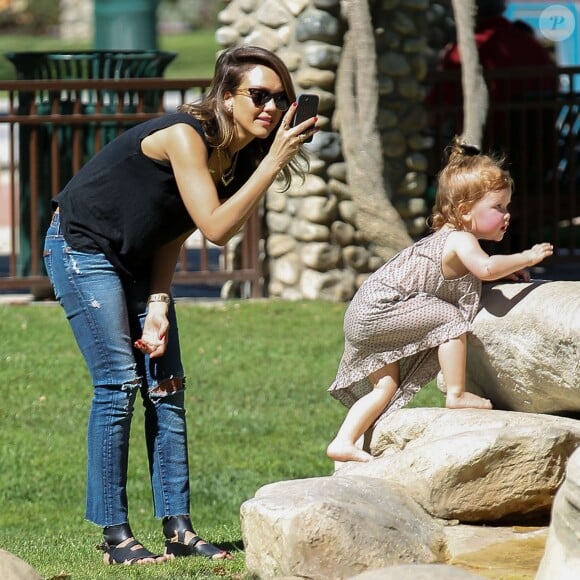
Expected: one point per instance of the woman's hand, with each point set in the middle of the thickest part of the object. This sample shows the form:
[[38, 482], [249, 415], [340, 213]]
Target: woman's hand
[[153, 341], [288, 139]]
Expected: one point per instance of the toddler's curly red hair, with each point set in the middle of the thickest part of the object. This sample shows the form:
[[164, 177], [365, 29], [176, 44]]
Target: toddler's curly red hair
[[465, 179]]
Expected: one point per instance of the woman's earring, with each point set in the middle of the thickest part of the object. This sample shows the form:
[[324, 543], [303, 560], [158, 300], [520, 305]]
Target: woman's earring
[[229, 107]]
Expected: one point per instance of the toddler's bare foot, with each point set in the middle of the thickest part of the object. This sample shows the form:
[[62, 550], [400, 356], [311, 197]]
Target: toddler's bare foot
[[346, 451], [466, 400]]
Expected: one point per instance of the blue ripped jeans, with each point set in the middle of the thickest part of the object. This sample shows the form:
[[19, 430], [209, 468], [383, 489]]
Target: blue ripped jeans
[[106, 316]]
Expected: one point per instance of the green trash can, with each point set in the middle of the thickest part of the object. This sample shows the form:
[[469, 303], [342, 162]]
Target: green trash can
[[72, 65], [126, 24]]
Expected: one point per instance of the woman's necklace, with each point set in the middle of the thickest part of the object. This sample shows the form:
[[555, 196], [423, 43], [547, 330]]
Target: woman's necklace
[[228, 176]]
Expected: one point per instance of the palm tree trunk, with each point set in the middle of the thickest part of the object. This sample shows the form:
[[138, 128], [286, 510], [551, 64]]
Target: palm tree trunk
[[475, 93], [357, 104]]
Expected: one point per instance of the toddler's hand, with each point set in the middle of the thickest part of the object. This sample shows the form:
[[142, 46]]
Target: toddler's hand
[[538, 252], [519, 276]]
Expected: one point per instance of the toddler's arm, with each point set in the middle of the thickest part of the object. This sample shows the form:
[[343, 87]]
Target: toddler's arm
[[487, 268]]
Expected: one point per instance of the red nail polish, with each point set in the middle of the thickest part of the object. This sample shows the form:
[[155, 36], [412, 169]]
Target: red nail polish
[[294, 103]]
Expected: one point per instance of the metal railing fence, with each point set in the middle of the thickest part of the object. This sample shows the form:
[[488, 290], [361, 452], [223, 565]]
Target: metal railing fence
[[49, 129]]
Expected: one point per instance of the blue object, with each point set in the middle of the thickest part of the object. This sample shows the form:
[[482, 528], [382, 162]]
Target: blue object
[[556, 22]]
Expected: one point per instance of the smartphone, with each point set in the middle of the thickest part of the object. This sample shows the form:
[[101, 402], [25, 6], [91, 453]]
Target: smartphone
[[306, 109]]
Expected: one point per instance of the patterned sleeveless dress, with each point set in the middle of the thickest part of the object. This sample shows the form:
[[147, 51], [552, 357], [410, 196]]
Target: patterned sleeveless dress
[[402, 312]]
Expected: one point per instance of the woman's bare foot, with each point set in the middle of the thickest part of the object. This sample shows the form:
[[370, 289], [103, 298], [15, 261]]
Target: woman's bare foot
[[346, 451], [466, 400]]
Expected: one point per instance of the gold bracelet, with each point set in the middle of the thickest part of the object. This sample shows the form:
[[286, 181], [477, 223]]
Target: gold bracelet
[[159, 298]]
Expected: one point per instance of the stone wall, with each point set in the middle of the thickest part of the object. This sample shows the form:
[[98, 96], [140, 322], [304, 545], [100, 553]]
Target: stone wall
[[312, 247], [76, 19]]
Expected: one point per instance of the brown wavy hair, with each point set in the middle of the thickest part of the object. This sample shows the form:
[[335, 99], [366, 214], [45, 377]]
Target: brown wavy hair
[[467, 176], [218, 125]]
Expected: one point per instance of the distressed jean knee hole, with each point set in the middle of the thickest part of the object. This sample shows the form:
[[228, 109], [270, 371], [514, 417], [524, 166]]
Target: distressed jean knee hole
[[167, 387]]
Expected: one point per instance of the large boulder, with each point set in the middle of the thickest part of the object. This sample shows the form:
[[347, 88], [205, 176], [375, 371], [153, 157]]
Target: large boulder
[[562, 556], [330, 527], [437, 468], [13, 568], [417, 572], [524, 353], [473, 465], [501, 551]]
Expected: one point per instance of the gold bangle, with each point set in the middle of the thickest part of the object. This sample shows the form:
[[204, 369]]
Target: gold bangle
[[159, 298]]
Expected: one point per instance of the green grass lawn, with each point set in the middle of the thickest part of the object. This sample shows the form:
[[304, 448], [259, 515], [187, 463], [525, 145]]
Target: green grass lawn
[[196, 52], [258, 412]]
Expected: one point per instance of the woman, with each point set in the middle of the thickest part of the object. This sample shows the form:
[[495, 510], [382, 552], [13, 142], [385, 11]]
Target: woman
[[111, 252]]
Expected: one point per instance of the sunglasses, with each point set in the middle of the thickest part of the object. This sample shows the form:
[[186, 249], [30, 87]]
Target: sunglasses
[[260, 97]]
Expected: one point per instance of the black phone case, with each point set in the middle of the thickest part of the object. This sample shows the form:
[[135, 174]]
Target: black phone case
[[306, 109]]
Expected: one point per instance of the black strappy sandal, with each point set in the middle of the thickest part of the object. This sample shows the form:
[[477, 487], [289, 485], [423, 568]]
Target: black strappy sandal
[[128, 552], [175, 529], [120, 547], [177, 548]]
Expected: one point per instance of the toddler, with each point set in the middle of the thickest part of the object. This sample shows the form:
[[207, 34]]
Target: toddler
[[411, 317]]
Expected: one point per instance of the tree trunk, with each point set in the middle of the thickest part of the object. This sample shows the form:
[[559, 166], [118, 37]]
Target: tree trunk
[[357, 104], [475, 93]]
